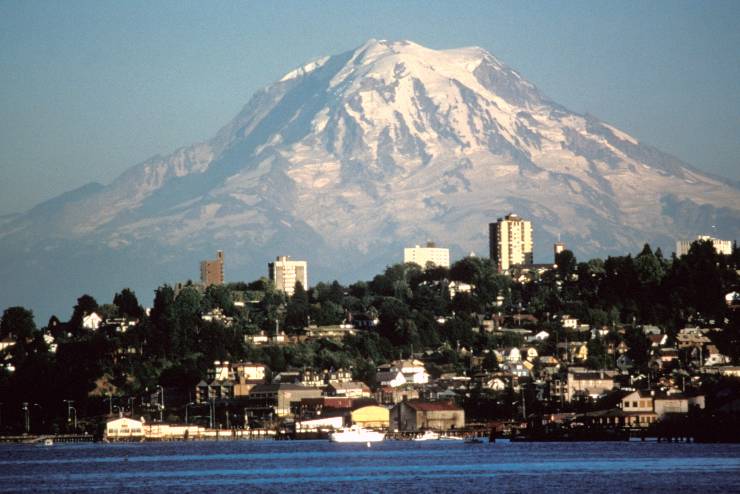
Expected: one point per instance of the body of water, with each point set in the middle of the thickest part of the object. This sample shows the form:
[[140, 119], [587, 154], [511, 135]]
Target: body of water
[[391, 466]]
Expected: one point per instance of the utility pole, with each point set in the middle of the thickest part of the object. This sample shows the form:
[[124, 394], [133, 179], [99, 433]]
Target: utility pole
[[71, 409], [161, 403], [524, 403], [27, 421]]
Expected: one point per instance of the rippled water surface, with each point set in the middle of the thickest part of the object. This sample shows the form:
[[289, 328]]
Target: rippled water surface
[[320, 466]]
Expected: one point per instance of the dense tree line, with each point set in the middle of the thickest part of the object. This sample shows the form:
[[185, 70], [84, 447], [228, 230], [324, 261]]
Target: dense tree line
[[173, 346]]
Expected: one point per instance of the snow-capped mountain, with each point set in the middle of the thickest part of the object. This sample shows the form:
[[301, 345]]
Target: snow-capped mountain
[[347, 159]]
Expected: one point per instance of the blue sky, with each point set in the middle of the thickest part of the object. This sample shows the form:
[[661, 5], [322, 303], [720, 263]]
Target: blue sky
[[90, 88]]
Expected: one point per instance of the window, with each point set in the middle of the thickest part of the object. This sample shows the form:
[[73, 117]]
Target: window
[[634, 404], [626, 404]]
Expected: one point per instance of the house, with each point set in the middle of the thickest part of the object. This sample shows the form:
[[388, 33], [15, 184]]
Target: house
[[541, 336], [691, 339], [258, 339], [649, 330], [371, 417], [249, 371], [667, 356], [494, 384], [512, 355], [582, 383], [367, 320], [388, 395], [548, 361], [92, 321], [714, 357], [50, 342], [677, 403], [339, 376], [622, 348], [292, 377], [225, 381], [657, 340], [601, 332], [124, 429], [351, 389], [332, 332], [413, 370], [325, 405], [217, 315], [456, 287], [311, 378], [280, 397], [518, 369], [390, 378], [415, 415], [573, 351], [120, 324], [569, 322], [6, 343], [638, 409]]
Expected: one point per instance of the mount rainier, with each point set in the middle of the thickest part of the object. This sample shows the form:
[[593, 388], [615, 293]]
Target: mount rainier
[[347, 159]]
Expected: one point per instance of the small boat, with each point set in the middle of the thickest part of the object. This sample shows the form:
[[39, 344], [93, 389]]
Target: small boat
[[447, 437], [427, 436], [48, 442], [473, 440], [356, 434]]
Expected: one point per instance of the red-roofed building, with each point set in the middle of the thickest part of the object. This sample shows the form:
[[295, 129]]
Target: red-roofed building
[[415, 415]]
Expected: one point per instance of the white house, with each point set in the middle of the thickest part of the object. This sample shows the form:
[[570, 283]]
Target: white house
[[512, 355], [6, 343], [495, 384], [124, 428], [350, 389], [92, 321], [258, 339], [413, 370], [542, 336], [569, 322], [715, 358], [392, 378]]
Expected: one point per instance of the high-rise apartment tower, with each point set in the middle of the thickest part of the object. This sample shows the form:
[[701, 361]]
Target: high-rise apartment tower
[[212, 271], [422, 256], [511, 242], [284, 273]]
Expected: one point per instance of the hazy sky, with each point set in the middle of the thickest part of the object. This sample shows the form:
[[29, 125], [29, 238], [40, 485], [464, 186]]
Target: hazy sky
[[88, 89]]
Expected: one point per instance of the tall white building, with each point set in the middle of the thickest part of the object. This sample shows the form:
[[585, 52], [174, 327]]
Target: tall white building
[[511, 242], [720, 246], [430, 254], [284, 273]]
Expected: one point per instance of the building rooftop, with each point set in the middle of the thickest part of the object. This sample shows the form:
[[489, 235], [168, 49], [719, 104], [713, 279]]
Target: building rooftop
[[432, 406]]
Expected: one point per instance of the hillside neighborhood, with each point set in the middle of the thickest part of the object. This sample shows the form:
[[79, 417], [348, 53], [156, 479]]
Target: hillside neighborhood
[[627, 345]]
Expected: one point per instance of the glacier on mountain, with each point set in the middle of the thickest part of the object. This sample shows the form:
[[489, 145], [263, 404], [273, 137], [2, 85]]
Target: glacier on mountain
[[350, 157]]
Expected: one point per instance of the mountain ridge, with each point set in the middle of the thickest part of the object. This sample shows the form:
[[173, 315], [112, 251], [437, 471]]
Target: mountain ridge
[[349, 157]]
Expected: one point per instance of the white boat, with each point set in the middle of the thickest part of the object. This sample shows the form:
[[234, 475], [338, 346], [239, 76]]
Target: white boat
[[427, 436], [356, 434]]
